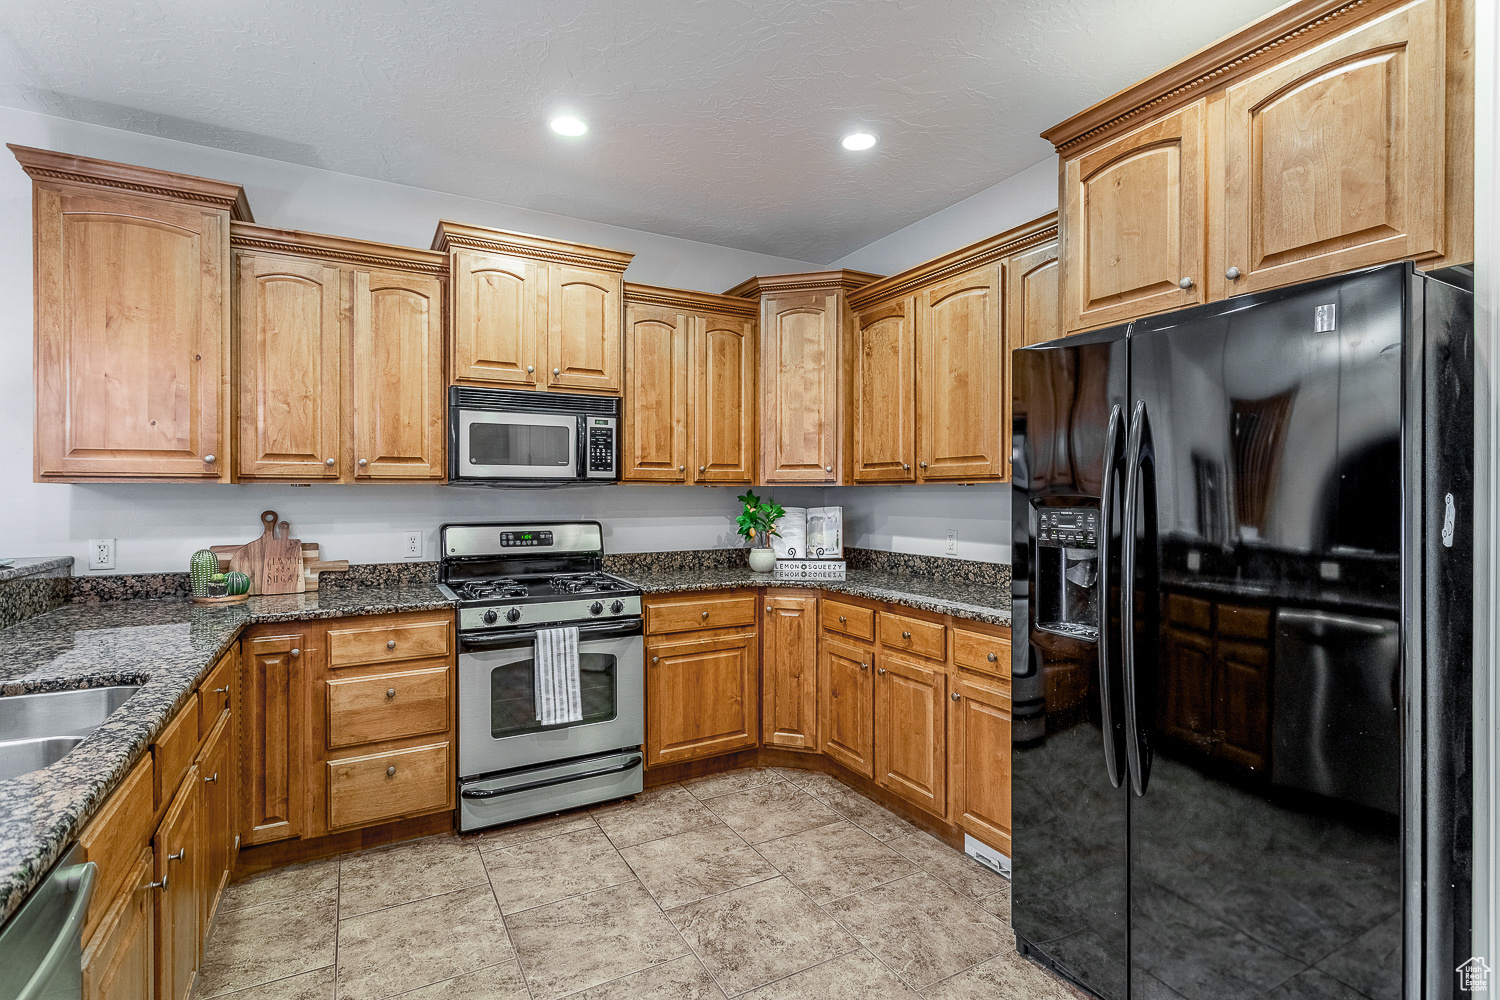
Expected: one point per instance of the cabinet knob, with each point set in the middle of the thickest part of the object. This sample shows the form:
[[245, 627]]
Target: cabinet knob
[[221, 690], [921, 465], [705, 616], [991, 657], [209, 460], [181, 854], [864, 666], [956, 696], [296, 653], [390, 772], [827, 468], [391, 644], [655, 659], [843, 620], [557, 371], [530, 369], [162, 885], [682, 468], [906, 635], [1185, 284], [363, 462], [702, 468], [880, 671], [905, 467], [1233, 274], [390, 692], [210, 781], [768, 607], [329, 463]]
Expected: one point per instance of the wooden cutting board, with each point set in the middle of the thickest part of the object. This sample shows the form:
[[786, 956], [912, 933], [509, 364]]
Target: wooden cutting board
[[273, 561]]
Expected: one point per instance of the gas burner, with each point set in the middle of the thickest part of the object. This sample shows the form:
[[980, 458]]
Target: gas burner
[[479, 590], [584, 584]]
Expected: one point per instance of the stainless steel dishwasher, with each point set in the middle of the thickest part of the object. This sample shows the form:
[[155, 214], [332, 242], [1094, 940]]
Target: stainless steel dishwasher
[[41, 946]]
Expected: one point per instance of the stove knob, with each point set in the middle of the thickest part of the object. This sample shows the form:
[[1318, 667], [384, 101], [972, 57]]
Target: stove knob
[[617, 607], [596, 608], [513, 615], [490, 617]]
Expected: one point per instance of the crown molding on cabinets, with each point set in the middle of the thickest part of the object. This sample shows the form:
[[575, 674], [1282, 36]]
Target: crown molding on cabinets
[[455, 235], [46, 165]]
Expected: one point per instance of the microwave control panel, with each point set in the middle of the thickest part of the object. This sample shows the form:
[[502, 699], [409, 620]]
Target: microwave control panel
[[600, 437]]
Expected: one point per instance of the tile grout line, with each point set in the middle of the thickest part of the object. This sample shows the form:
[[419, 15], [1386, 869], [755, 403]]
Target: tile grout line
[[515, 952]]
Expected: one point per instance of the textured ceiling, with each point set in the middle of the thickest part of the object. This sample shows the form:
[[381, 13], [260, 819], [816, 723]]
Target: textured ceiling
[[713, 120]]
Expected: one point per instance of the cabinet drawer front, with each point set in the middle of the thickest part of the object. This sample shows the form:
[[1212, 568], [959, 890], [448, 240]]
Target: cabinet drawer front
[[989, 654], [115, 838], [174, 750], [912, 635], [365, 790], [388, 706], [1190, 612], [849, 619], [388, 643], [1245, 623], [213, 695], [701, 613]]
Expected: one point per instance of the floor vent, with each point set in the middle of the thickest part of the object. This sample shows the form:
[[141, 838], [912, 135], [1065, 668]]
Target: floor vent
[[987, 856]]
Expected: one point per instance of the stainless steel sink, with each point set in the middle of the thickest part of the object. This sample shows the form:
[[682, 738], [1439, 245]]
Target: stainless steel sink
[[40, 729]]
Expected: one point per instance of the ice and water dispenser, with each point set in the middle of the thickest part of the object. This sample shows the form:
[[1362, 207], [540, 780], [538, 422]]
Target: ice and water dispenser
[[1067, 572]]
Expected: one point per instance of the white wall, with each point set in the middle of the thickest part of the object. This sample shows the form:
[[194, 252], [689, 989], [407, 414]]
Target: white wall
[[1019, 198]]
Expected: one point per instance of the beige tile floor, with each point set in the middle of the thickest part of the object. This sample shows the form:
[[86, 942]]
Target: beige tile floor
[[769, 884]]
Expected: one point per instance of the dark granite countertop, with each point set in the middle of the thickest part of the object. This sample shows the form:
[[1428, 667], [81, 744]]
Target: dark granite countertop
[[164, 646], [37, 566], [959, 598]]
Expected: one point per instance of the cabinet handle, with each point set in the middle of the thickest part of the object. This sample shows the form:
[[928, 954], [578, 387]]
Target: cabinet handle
[[210, 781], [391, 644], [364, 462], [921, 465], [864, 666], [906, 635], [557, 371], [296, 653], [329, 463], [221, 691], [702, 468], [843, 620], [768, 607], [390, 772], [390, 692], [880, 671], [1185, 284], [905, 467], [530, 369], [827, 468], [182, 853], [956, 696], [705, 616], [1233, 274], [655, 659], [992, 657], [162, 885], [682, 468], [208, 460]]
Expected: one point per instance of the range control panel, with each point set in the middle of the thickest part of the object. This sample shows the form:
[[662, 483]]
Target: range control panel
[[1070, 527], [509, 539], [601, 445]]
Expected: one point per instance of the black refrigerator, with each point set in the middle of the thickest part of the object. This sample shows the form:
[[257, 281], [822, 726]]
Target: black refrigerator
[[1242, 640]]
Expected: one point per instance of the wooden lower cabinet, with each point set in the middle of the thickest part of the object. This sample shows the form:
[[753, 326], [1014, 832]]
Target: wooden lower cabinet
[[789, 671], [846, 711], [119, 963], [179, 865], [273, 664], [374, 788], [979, 759], [911, 754], [701, 696], [216, 776]]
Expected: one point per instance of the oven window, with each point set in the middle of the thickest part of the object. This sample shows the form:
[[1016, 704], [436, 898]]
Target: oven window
[[543, 446], [513, 698]]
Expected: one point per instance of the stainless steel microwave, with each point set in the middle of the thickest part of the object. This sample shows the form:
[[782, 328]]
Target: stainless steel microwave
[[504, 437]]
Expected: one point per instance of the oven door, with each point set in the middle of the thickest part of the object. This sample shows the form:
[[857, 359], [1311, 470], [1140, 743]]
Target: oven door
[[513, 445], [497, 725]]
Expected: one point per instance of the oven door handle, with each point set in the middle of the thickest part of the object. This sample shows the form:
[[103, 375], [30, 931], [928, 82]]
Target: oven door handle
[[621, 627], [562, 779]]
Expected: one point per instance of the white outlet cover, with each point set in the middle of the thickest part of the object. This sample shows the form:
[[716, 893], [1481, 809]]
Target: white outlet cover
[[951, 547], [101, 553], [411, 545]]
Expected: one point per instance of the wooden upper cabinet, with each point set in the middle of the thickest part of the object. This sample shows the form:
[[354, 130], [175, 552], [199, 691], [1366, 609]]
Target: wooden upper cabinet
[[290, 332], [1031, 287], [499, 308], [959, 378], [531, 312], [723, 393], [400, 407], [1334, 159], [1134, 213], [789, 671], [799, 387], [132, 278], [654, 442], [884, 394]]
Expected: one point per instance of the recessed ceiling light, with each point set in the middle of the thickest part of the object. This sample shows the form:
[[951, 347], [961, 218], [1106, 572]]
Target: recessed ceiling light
[[858, 140], [568, 125]]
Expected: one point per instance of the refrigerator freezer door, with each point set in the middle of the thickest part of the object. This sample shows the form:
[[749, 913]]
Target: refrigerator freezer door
[[1068, 811], [1276, 424]]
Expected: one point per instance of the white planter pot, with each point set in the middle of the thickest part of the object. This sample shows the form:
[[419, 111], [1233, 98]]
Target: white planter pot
[[762, 560]]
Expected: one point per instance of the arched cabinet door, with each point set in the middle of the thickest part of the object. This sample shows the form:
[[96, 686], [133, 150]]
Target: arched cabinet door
[[499, 309], [724, 399], [958, 378], [653, 440], [399, 414], [799, 388], [884, 390], [584, 310]]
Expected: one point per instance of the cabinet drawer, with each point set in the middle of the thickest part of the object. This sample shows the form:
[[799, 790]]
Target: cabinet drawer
[[912, 635], [849, 619], [1244, 623], [988, 654], [213, 695], [382, 786], [1190, 612], [174, 750], [115, 838], [388, 706], [388, 643], [698, 612]]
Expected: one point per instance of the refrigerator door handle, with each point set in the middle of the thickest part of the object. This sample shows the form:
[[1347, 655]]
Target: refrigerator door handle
[[1113, 452], [1140, 477]]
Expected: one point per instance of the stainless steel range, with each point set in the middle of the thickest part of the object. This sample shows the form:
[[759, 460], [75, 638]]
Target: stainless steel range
[[510, 581]]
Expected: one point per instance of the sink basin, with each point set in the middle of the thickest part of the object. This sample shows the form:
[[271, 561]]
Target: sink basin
[[24, 756], [59, 713], [40, 729]]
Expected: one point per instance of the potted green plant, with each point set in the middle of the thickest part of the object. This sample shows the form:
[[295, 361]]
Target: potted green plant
[[757, 522]]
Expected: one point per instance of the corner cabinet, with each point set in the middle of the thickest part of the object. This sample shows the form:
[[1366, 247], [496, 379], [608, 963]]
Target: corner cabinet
[[340, 362], [1320, 139], [132, 286], [533, 313], [689, 400], [789, 670]]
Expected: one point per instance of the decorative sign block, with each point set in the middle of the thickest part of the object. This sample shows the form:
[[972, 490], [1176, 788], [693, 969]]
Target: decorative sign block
[[810, 569]]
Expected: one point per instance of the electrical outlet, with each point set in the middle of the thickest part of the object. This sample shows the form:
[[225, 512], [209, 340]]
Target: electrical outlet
[[951, 547], [101, 553], [411, 547]]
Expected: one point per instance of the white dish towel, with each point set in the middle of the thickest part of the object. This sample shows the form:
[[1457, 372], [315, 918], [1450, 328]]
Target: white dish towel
[[558, 698]]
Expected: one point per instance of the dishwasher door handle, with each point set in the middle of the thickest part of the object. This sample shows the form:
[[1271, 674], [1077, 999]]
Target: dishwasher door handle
[[79, 880]]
